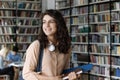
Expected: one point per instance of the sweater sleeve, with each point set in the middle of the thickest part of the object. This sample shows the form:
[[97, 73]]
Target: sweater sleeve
[[31, 62]]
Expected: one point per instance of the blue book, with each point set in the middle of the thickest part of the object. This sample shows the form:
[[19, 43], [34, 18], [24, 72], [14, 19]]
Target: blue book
[[118, 72], [21, 5], [82, 69]]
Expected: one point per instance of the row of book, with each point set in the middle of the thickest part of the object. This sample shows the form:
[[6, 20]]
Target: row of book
[[115, 60], [96, 58], [100, 28], [78, 38], [96, 38], [99, 18], [102, 59], [116, 49], [62, 4], [93, 77], [79, 10], [19, 22], [95, 8], [20, 5], [85, 2], [22, 13], [116, 72], [96, 49], [83, 19], [6, 38], [115, 38], [80, 48], [97, 69], [99, 38], [12, 14], [115, 27], [93, 38], [78, 2], [105, 71], [104, 17], [28, 5], [104, 7], [28, 30], [99, 7], [80, 29], [11, 38], [99, 48], [5, 22], [27, 39], [11, 30], [6, 30], [65, 12]]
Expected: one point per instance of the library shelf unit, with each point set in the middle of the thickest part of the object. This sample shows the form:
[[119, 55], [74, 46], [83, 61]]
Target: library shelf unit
[[19, 22], [95, 33]]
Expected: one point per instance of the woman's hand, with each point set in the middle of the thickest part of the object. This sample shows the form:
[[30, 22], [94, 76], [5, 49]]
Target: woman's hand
[[73, 76]]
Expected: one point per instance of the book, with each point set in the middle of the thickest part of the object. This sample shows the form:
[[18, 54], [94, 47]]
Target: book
[[17, 64], [78, 70]]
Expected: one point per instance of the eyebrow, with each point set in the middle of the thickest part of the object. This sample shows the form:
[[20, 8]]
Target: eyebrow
[[50, 20]]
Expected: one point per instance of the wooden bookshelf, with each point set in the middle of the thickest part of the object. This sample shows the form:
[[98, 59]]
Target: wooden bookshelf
[[95, 33], [19, 22]]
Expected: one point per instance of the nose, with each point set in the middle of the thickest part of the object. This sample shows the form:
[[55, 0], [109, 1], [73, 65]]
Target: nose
[[47, 24]]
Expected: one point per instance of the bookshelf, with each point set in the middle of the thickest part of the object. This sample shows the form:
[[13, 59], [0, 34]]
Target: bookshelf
[[19, 22], [95, 33]]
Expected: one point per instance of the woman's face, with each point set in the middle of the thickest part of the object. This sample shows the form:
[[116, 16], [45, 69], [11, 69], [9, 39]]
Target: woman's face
[[49, 25]]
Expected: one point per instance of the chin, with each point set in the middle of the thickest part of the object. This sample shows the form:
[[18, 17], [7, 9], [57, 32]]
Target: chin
[[49, 34]]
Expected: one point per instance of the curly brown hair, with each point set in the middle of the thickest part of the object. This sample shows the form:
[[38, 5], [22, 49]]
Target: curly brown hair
[[62, 35]]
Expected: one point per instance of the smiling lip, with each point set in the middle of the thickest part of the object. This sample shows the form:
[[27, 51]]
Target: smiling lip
[[48, 29]]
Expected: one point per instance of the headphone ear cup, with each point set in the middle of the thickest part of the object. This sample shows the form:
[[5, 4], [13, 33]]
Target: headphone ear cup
[[51, 47]]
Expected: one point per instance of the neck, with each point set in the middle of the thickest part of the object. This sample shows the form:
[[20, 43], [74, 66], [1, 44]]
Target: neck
[[52, 40]]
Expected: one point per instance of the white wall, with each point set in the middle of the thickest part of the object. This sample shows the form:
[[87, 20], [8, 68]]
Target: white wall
[[48, 4], [44, 5]]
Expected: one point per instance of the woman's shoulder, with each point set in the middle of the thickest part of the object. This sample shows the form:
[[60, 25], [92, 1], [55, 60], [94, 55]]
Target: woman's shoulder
[[34, 45], [33, 49], [35, 41]]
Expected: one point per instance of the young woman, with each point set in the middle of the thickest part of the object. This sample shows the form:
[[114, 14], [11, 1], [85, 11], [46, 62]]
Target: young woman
[[3, 53], [13, 55], [56, 42], [5, 70]]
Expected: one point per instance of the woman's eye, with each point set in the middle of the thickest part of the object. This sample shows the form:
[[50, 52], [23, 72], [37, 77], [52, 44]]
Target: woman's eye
[[43, 22], [52, 21]]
